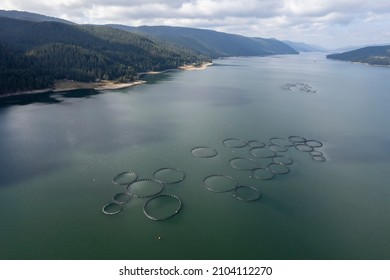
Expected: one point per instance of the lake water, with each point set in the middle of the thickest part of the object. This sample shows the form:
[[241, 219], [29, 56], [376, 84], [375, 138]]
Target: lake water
[[59, 153]]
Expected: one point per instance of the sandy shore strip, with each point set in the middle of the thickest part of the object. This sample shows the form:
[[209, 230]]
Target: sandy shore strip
[[65, 85], [194, 67]]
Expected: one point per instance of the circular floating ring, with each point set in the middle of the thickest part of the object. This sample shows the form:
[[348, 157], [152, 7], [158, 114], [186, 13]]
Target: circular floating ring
[[256, 144], [261, 152], [278, 141], [316, 154], [164, 203], [262, 174], [204, 152], [241, 163], [297, 139], [234, 143], [145, 188], [125, 178], [313, 143], [283, 160], [319, 158], [277, 149], [246, 193], [169, 175], [112, 208], [278, 168], [122, 198], [304, 148], [219, 183]]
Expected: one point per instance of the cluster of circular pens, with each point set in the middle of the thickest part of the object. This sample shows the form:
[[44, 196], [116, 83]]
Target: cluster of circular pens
[[158, 206], [264, 161]]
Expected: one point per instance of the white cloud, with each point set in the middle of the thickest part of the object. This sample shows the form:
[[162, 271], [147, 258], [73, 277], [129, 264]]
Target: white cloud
[[331, 23]]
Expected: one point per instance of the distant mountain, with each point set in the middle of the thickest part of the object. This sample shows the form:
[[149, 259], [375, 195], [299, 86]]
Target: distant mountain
[[375, 55], [303, 47], [212, 43], [31, 16], [33, 54]]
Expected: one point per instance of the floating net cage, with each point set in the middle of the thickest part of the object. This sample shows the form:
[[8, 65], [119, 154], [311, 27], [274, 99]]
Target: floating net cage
[[122, 198], [283, 160], [162, 207], [262, 174], [319, 158], [241, 163], [297, 139], [125, 178], [313, 143], [316, 154], [112, 208], [219, 183], [278, 168], [234, 143], [304, 148], [169, 175], [277, 149], [145, 188], [246, 193], [204, 152], [256, 144], [261, 152], [283, 142]]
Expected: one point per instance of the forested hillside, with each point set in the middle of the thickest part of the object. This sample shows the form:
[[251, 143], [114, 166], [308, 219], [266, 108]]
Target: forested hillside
[[53, 50], [376, 55]]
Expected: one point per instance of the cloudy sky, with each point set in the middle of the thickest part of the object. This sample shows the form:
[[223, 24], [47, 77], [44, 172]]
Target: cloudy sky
[[328, 23]]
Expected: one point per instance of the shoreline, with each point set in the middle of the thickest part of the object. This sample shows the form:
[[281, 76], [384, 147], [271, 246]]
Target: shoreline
[[192, 67], [68, 85]]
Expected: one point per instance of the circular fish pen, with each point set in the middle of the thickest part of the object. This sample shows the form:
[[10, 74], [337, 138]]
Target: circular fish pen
[[297, 139], [319, 158], [219, 183], [246, 193], [145, 188], [262, 174], [278, 168], [122, 198], [112, 208], [256, 144], [241, 163], [234, 143], [162, 207], [277, 149], [125, 178], [282, 160], [278, 141], [168, 175], [313, 143], [261, 152], [304, 148], [204, 152], [316, 154]]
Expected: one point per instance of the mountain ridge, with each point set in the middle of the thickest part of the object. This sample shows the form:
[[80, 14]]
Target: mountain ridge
[[28, 16], [210, 42], [373, 55]]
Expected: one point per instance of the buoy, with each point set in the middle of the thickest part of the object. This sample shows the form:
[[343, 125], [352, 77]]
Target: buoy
[[159, 238]]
